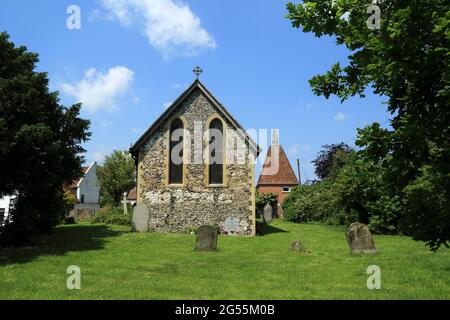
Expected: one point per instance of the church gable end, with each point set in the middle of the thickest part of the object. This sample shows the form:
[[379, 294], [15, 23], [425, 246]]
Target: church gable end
[[194, 192]]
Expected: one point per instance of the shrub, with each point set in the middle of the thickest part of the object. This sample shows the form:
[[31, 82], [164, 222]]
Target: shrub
[[264, 198], [309, 203], [113, 215]]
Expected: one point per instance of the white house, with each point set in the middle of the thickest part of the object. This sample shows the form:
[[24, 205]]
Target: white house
[[5, 203], [86, 191]]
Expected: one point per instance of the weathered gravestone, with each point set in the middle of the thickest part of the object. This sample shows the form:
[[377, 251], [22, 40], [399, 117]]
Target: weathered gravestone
[[141, 218], [267, 214], [297, 246], [360, 239], [206, 238], [231, 226]]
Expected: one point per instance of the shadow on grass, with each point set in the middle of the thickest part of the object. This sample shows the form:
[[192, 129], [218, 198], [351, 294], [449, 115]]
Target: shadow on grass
[[263, 229], [61, 241]]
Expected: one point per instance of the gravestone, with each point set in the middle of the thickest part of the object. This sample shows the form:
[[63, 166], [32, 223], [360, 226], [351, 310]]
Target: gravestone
[[141, 218], [206, 238], [231, 226], [267, 214], [297, 246], [360, 239]]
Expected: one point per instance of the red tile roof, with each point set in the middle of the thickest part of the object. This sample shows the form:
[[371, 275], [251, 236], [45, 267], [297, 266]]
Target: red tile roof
[[132, 194], [285, 174], [74, 184]]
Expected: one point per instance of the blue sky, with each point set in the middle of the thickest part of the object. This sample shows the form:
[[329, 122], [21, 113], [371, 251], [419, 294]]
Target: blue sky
[[131, 58]]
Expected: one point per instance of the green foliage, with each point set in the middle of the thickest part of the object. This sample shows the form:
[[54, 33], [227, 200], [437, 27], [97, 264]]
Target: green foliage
[[309, 203], [116, 176], [356, 191], [113, 215], [264, 198], [406, 61], [330, 159], [69, 201], [40, 144]]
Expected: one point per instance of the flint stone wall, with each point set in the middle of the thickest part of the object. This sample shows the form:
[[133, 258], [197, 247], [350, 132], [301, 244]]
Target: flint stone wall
[[179, 208]]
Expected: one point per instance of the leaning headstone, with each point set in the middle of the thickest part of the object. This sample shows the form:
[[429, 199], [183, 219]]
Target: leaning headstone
[[267, 214], [141, 218], [206, 238], [231, 226], [297, 246], [360, 239]]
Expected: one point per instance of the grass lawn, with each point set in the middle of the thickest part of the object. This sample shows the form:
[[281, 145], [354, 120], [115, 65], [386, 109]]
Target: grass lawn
[[116, 264]]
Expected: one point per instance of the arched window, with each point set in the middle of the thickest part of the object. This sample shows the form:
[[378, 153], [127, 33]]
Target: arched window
[[216, 152], [176, 152]]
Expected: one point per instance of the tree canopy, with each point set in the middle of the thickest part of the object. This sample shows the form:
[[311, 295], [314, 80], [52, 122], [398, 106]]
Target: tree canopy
[[406, 61], [328, 159], [116, 176], [40, 143]]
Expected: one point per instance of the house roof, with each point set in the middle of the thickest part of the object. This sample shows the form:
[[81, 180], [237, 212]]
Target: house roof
[[132, 194], [75, 183], [167, 113], [285, 174]]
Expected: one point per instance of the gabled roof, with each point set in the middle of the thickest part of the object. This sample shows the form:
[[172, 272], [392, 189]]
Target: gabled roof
[[285, 174], [132, 194], [167, 113], [75, 183]]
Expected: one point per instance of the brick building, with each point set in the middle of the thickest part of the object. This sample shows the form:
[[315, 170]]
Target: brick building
[[277, 179]]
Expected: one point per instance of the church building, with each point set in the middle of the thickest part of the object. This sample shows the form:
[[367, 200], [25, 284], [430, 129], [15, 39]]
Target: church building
[[213, 181]]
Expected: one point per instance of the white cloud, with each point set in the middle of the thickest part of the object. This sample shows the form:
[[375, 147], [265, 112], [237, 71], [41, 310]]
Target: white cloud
[[97, 90], [340, 116], [168, 24], [296, 149]]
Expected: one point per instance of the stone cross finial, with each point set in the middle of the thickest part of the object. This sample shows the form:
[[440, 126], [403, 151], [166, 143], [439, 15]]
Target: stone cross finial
[[197, 70]]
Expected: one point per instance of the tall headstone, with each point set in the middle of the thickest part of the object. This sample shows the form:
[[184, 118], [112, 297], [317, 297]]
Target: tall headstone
[[360, 239], [267, 214], [206, 238], [141, 218]]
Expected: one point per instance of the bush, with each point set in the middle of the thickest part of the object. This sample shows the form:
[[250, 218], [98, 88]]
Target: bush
[[113, 215], [264, 198], [309, 203], [356, 192]]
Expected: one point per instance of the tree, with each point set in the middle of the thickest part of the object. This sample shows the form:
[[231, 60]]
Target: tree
[[405, 60], [331, 156], [116, 176], [40, 144], [69, 201]]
